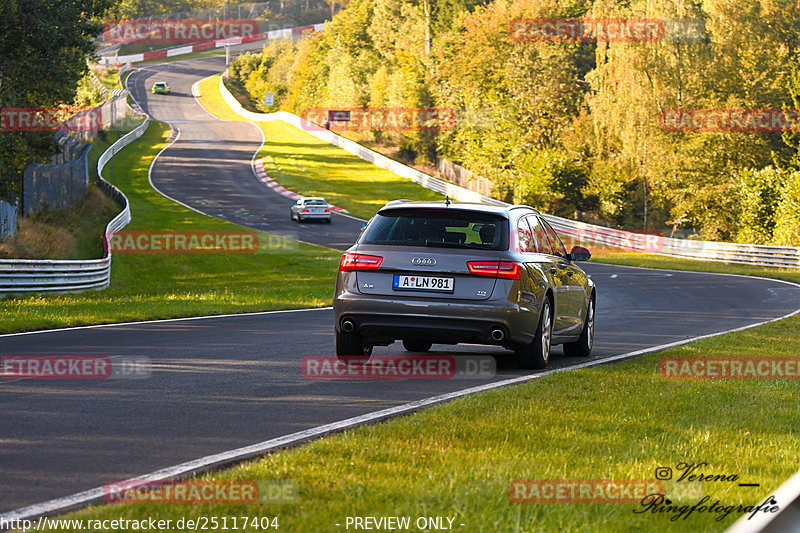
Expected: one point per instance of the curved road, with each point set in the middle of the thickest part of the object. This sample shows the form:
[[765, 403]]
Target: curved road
[[221, 383], [209, 167]]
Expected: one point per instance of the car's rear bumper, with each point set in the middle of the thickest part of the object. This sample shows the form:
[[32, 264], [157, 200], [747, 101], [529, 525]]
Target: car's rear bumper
[[382, 320], [387, 329], [314, 216]]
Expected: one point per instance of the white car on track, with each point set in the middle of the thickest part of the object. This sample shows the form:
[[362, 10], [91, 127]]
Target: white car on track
[[311, 209]]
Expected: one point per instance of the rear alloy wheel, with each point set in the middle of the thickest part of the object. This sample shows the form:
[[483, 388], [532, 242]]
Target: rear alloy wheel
[[350, 347], [537, 353], [583, 346], [417, 346]]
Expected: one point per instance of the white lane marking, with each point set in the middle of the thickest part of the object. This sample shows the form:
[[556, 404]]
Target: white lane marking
[[676, 271], [613, 276], [170, 143], [204, 464], [198, 96], [349, 216], [150, 177], [159, 320]]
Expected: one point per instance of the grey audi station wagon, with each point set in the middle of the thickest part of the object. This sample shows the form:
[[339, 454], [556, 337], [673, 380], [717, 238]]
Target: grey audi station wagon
[[446, 272]]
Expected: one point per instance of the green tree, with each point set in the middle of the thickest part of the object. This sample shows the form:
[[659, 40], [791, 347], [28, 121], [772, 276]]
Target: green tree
[[787, 214], [741, 61], [43, 49], [759, 195], [529, 93]]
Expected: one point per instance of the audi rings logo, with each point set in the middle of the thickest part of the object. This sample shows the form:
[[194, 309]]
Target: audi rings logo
[[423, 261]]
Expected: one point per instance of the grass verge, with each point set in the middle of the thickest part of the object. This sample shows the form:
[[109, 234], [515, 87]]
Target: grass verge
[[100, 144], [72, 233], [108, 76], [311, 167], [282, 274]]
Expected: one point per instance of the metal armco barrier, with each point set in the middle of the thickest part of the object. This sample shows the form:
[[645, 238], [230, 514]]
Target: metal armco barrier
[[37, 275], [207, 45], [724, 252]]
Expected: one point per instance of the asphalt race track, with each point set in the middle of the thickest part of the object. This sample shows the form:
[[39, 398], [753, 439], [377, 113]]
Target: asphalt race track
[[223, 383], [209, 167]]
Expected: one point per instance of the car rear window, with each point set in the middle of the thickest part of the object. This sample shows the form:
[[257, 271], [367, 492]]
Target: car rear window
[[444, 228], [315, 202]]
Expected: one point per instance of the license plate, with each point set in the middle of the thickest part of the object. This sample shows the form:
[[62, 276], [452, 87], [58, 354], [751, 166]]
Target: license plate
[[422, 283]]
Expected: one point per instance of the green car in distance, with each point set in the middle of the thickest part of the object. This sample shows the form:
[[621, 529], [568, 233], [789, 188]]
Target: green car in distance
[[161, 87]]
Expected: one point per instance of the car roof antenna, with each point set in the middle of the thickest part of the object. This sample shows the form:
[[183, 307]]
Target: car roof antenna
[[447, 200]]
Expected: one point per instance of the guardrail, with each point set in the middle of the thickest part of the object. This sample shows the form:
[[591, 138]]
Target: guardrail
[[207, 45], [723, 252], [122, 69], [43, 275]]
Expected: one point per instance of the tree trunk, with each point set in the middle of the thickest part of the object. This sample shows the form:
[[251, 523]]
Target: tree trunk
[[427, 7]]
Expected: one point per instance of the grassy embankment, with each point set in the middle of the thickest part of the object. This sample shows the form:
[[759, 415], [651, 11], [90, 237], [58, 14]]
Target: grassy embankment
[[302, 163]]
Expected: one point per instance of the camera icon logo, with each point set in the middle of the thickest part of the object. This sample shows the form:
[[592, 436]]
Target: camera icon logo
[[663, 473]]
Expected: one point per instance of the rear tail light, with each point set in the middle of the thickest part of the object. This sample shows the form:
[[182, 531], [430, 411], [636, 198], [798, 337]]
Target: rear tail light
[[327, 210], [495, 269], [304, 211], [351, 262]]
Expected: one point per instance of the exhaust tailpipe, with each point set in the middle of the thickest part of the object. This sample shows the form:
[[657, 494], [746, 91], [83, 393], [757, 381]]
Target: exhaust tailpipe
[[497, 333], [348, 326]]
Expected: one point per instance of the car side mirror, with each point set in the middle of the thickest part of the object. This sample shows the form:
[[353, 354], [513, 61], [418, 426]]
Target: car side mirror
[[579, 253]]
